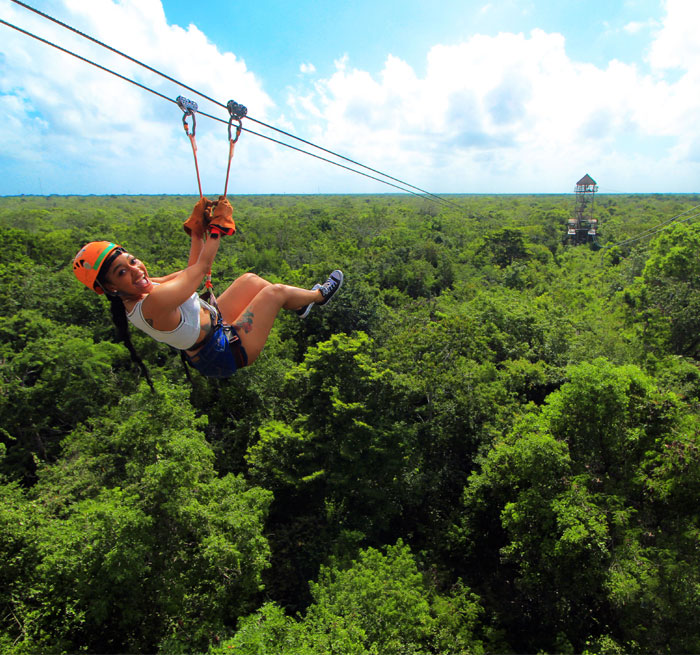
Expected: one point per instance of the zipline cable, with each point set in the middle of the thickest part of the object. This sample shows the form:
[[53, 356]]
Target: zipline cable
[[87, 61], [646, 233], [654, 232], [650, 232], [216, 118], [202, 95]]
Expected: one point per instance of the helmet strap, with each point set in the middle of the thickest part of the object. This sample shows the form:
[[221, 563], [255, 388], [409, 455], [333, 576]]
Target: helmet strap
[[113, 294]]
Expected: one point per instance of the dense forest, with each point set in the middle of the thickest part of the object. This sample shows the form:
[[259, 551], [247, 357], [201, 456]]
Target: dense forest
[[487, 443]]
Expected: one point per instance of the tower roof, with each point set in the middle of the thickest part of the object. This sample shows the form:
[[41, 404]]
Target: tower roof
[[586, 180]]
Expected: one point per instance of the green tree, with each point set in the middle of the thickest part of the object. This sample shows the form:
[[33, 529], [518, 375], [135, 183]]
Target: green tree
[[380, 604], [505, 247], [338, 455], [563, 512], [46, 371], [344, 440], [668, 293], [19, 523], [141, 547]]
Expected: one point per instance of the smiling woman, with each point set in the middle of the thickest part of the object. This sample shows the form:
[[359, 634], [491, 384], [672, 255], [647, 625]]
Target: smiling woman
[[216, 340]]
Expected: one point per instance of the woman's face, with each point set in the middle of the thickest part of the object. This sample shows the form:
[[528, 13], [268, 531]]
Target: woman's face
[[128, 277]]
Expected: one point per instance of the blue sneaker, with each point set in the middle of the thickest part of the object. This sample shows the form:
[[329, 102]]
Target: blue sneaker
[[331, 286], [304, 311]]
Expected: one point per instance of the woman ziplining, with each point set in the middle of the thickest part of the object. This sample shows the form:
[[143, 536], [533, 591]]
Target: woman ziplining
[[216, 339]]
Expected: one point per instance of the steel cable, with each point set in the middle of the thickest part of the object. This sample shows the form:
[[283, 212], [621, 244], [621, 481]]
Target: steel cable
[[259, 122]]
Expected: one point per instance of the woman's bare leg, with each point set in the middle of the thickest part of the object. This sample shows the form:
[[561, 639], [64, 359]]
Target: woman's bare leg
[[239, 295], [254, 323]]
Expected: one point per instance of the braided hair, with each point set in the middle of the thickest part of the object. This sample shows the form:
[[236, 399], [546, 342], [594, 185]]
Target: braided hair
[[118, 311]]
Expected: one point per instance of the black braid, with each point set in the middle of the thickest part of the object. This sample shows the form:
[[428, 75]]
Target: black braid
[[116, 307], [118, 311]]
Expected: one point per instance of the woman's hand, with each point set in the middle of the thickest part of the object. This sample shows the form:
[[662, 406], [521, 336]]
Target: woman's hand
[[222, 217], [196, 225]]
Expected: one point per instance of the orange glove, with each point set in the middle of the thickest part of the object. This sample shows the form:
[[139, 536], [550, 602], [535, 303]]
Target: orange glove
[[222, 217], [198, 221]]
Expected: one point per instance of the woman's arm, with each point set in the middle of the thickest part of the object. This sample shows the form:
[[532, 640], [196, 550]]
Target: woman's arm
[[195, 248], [165, 278], [175, 288], [196, 245]]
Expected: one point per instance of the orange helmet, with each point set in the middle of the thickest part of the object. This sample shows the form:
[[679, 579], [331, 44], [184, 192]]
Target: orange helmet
[[89, 260]]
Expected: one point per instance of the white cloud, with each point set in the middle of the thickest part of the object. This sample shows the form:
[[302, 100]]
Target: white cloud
[[677, 44], [500, 113], [514, 112], [100, 129]]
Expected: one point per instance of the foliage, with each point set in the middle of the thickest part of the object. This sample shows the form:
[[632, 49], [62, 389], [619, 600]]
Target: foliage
[[139, 545], [487, 442], [379, 604], [571, 503]]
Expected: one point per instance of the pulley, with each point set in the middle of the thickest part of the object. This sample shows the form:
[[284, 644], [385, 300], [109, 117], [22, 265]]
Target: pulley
[[189, 107]]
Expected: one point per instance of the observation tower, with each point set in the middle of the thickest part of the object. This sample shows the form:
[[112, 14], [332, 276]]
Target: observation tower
[[583, 226]]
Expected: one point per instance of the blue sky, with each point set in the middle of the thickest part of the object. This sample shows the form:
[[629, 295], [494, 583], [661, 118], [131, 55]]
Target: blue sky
[[282, 34], [502, 96]]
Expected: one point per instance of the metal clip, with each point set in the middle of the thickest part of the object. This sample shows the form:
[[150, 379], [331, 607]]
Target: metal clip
[[189, 107], [236, 113]]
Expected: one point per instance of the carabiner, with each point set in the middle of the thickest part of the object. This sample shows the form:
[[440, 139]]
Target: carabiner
[[236, 113], [189, 107]]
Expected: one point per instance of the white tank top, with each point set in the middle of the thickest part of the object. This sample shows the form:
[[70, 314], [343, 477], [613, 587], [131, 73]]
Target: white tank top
[[185, 335]]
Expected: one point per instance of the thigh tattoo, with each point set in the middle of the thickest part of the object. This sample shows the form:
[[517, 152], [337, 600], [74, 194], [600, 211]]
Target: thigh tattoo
[[245, 323]]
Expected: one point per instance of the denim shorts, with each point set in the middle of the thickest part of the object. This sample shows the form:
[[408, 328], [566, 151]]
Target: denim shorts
[[222, 355]]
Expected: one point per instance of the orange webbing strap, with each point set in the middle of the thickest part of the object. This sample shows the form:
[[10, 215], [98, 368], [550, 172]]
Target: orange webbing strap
[[207, 282], [194, 152], [231, 146], [212, 297]]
